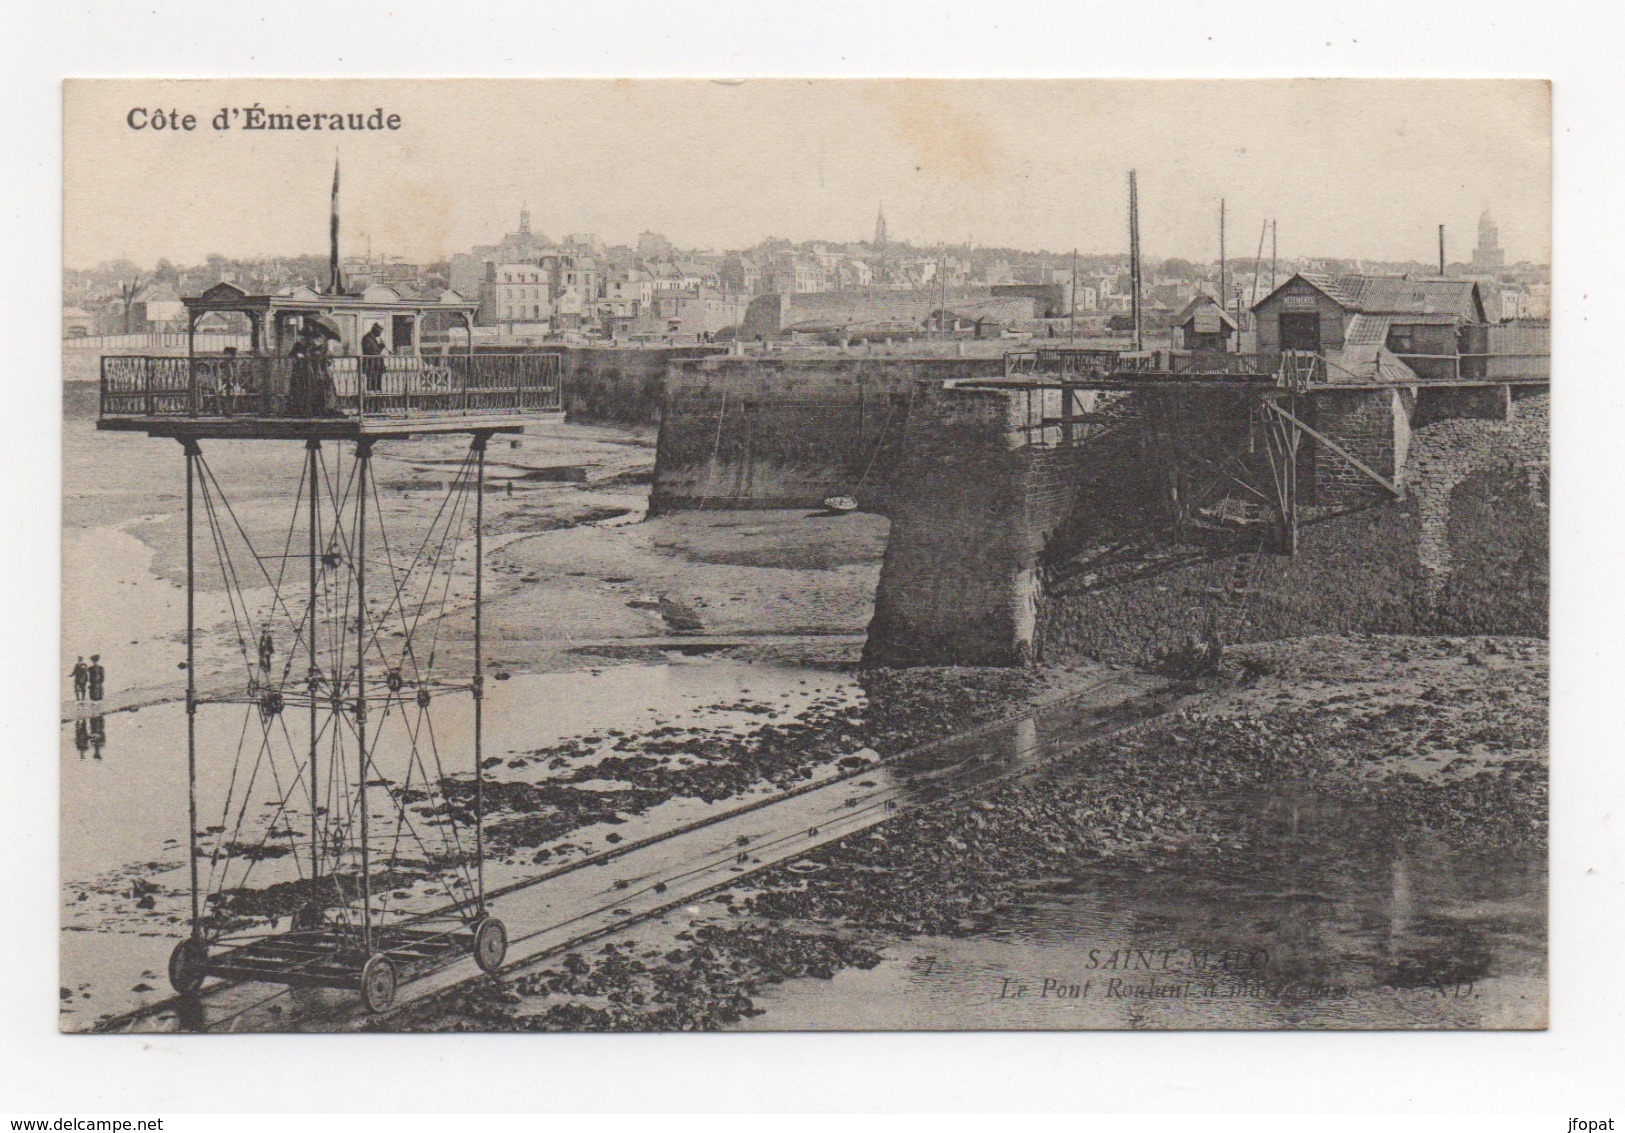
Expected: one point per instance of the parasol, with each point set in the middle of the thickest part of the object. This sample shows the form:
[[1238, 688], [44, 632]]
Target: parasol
[[324, 324]]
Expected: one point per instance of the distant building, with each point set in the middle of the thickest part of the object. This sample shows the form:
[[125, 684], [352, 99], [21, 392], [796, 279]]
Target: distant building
[[997, 271], [631, 291], [469, 269], [1052, 300], [158, 307], [740, 274], [360, 273], [685, 275], [984, 318], [77, 322], [653, 246], [796, 274], [684, 315], [573, 278], [1488, 258], [517, 299], [853, 273], [1506, 303]]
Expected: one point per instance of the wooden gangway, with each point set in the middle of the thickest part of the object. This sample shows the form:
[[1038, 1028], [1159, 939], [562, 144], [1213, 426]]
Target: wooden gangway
[[1289, 369], [1299, 371]]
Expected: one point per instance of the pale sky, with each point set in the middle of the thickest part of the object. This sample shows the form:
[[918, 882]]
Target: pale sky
[[1349, 168]]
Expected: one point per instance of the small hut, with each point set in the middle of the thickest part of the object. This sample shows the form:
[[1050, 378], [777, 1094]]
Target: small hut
[[1205, 326]]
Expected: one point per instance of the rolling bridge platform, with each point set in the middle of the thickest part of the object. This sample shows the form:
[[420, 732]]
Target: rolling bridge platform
[[323, 879]]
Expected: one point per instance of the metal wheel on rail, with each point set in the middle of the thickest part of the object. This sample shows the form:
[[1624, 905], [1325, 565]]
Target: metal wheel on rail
[[378, 984], [490, 943], [187, 965]]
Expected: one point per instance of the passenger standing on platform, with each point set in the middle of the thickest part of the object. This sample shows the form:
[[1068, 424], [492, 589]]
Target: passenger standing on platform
[[372, 358], [97, 677], [81, 679], [299, 382], [321, 378]]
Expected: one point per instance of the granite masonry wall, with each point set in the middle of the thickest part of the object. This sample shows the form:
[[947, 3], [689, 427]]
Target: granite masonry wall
[[1007, 546], [621, 385], [1466, 550], [750, 432]]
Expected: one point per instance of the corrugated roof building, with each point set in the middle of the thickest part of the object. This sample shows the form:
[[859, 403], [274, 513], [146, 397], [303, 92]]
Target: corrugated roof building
[[1389, 328]]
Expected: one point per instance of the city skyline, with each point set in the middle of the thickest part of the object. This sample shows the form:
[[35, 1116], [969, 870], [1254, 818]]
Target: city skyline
[[1022, 165]]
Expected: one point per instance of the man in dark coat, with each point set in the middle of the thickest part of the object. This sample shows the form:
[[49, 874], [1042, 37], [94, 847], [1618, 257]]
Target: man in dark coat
[[97, 676], [372, 358]]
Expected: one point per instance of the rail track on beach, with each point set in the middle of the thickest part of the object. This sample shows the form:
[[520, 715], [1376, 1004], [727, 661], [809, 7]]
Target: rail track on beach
[[601, 895]]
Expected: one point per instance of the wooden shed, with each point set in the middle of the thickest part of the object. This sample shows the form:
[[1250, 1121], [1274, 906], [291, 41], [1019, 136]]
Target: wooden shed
[[1204, 325], [1427, 323]]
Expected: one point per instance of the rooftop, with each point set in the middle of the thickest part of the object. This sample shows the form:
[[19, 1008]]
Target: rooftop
[[1449, 299]]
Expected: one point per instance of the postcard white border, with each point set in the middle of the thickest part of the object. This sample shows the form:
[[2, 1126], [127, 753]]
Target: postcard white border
[[1572, 1068]]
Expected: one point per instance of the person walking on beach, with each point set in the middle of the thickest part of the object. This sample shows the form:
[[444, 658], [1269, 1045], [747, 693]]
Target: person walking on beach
[[267, 650], [81, 680], [97, 677]]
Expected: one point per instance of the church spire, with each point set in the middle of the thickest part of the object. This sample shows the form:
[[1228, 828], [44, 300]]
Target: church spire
[[880, 226], [524, 219]]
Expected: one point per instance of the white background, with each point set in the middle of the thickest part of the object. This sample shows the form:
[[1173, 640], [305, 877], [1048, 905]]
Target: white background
[[1574, 1069]]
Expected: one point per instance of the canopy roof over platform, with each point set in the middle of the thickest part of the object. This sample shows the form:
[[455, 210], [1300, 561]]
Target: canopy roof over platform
[[270, 314], [307, 300]]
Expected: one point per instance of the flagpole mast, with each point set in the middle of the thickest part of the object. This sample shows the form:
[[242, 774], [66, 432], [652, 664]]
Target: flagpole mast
[[334, 283]]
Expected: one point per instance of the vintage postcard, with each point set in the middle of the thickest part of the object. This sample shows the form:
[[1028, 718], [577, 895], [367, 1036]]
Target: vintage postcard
[[804, 555]]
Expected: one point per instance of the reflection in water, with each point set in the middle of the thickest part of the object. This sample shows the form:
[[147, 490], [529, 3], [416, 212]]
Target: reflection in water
[[89, 734], [1399, 904], [1024, 748]]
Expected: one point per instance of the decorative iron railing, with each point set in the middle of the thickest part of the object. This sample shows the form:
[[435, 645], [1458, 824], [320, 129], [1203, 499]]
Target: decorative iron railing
[[383, 386]]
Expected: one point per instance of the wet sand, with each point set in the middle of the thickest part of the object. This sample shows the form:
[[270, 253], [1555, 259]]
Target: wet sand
[[574, 574], [1335, 833]]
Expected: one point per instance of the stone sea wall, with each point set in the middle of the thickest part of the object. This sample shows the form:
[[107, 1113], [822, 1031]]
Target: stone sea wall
[[749, 432]]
